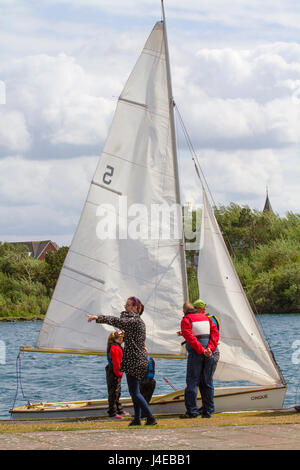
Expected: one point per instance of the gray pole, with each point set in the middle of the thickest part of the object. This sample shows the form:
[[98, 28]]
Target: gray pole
[[174, 151]]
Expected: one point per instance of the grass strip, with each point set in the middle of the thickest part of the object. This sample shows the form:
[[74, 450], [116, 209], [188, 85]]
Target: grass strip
[[167, 422]]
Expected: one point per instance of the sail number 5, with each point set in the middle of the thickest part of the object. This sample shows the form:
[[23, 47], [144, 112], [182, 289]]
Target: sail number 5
[[108, 174]]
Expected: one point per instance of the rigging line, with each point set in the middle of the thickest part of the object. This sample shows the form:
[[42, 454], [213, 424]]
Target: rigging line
[[19, 380], [197, 168], [297, 389], [194, 155], [17, 373]]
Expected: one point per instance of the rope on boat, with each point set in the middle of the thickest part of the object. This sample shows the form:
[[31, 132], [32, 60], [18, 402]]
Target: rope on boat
[[297, 391], [19, 380], [160, 374], [169, 383]]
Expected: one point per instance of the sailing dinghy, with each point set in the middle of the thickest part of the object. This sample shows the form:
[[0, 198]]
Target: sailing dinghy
[[138, 169]]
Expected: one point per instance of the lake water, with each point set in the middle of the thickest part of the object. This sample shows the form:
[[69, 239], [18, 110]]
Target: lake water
[[59, 377]]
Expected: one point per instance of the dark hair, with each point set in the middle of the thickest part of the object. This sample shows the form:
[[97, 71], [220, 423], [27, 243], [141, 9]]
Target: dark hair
[[138, 303]]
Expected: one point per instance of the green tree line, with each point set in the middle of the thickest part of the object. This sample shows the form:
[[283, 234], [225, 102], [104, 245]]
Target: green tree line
[[267, 256], [265, 249], [26, 284]]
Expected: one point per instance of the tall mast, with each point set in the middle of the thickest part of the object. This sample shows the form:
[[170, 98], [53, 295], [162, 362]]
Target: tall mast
[[174, 153]]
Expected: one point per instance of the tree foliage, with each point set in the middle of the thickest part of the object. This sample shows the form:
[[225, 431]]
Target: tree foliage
[[26, 283], [265, 250], [54, 261]]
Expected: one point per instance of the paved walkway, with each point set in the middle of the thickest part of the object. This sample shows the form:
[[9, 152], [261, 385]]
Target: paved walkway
[[262, 437]]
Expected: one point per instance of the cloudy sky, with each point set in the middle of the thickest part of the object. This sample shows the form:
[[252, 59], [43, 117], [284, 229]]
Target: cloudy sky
[[63, 63]]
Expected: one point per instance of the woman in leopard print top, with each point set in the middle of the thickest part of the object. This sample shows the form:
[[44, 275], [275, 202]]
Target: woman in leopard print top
[[134, 362]]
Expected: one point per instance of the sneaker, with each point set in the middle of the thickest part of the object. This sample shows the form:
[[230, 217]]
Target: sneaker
[[206, 415], [135, 422], [188, 416], [151, 421], [124, 413], [115, 417]]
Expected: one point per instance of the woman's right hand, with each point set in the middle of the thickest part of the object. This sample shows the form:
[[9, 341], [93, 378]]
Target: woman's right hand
[[91, 317]]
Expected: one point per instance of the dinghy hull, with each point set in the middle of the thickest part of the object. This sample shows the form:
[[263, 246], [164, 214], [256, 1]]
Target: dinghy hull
[[226, 399]]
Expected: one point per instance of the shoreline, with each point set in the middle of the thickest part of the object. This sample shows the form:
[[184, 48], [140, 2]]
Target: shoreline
[[15, 319], [42, 317]]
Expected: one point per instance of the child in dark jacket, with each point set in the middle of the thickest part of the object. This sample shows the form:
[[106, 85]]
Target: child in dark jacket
[[148, 383], [114, 375]]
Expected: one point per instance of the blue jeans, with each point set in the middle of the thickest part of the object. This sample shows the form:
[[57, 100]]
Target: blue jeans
[[199, 374], [139, 402]]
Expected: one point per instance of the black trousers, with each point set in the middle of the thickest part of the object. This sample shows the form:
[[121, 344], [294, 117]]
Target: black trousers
[[147, 387], [114, 392]]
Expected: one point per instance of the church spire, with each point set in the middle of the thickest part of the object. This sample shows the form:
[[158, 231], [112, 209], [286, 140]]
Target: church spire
[[267, 206]]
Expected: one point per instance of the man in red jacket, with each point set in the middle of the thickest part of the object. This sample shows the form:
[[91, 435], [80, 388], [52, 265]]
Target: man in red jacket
[[202, 336]]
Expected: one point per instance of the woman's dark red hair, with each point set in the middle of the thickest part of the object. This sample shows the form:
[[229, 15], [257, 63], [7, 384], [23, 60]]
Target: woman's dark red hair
[[138, 303]]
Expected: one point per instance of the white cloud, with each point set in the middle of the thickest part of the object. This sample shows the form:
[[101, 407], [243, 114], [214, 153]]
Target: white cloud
[[260, 73], [242, 177], [43, 197], [236, 80], [14, 135], [61, 102], [230, 97], [241, 98]]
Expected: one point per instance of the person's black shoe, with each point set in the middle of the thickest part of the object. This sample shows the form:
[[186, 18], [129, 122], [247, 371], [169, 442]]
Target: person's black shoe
[[135, 422], [151, 421], [206, 415], [188, 416]]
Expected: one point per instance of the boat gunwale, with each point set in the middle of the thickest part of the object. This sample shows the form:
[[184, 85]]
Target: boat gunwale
[[156, 401]]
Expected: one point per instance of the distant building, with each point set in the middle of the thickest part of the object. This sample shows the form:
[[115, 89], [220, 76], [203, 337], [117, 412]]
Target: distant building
[[38, 249], [267, 207]]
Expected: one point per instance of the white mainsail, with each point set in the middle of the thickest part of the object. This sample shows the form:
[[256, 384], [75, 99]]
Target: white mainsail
[[137, 167], [244, 354]]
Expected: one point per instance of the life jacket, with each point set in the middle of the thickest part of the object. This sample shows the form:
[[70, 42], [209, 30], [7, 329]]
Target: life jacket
[[215, 320], [109, 358], [151, 368]]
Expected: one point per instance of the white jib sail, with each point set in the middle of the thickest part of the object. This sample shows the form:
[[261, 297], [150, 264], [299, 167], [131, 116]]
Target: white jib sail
[[243, 351], [135, 176]]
